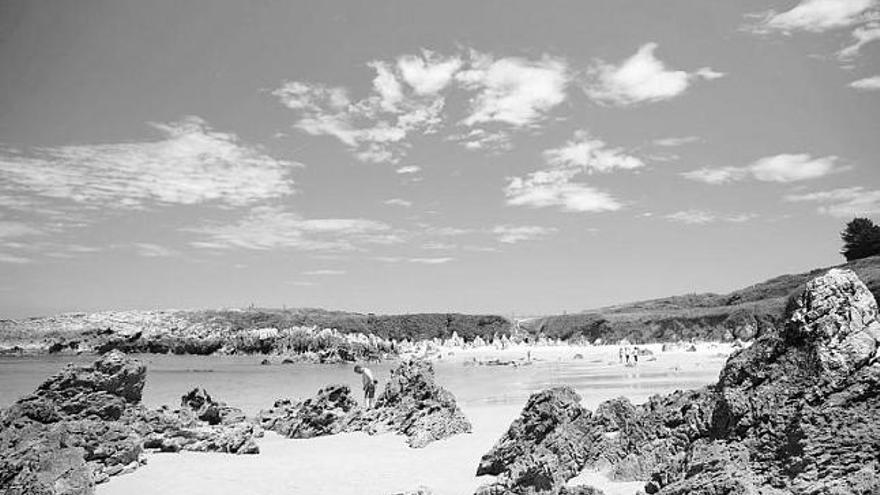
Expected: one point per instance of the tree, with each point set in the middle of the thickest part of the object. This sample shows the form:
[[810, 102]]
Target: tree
[[861, 238]]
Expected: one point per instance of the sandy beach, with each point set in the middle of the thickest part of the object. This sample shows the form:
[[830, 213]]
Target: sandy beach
[[355, 463]]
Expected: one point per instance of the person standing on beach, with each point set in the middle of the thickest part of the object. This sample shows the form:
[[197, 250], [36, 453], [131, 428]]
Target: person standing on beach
[[369, 384]]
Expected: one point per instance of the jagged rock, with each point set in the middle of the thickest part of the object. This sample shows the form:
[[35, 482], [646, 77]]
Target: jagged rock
[[413, 404], [37, 460], [542, 449], [796, 413], [207, 409], [580, 490], [327, 413]]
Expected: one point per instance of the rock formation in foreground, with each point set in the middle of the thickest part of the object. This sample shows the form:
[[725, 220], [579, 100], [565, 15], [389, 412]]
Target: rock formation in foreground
[[86, 424], [412, 404], [797, 413]]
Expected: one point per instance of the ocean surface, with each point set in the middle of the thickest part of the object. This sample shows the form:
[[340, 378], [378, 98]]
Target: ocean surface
[[355, 463]]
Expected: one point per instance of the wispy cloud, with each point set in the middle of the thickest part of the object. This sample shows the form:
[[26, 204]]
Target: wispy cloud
[[430, 261], [701, 217], [320, 273], [778, 168], [398, 202], [511, 234], [150, 250], [268, 227], [844, 202], [640, 78], [192, 164], [409, 169], [866, 84], [556, 186], [675, 141], [814, 16], [862, 36]]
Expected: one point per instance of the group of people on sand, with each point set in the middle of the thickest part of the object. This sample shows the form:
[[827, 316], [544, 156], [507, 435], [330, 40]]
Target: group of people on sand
[[628, 355]]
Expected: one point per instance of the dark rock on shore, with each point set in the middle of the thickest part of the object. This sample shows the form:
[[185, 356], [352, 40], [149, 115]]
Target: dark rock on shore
[[413, 404], [86, 423], [327, 413], [797, 413]]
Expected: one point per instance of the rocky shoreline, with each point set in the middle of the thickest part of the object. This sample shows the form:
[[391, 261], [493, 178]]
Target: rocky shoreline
[[797, 413]]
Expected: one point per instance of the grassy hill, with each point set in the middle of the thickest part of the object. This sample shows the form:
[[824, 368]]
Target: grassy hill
[[740, 314]]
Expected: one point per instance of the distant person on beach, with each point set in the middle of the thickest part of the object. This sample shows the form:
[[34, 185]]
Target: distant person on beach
[[620, 354], [635, 355], [369, 383], [626, 355]]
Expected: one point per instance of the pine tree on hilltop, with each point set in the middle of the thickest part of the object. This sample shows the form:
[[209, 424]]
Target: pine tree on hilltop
[[861, 238]]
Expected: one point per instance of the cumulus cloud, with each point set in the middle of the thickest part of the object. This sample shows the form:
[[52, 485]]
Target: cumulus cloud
[[785, 167], [270, 227], [812, 16], [408, 97], [409, 169], [555, 185], [511, 234], [866, 84], [844, 202], [640, 78], [555, 188], [701, 217], [590, 154], [192, 164], [512, 90]]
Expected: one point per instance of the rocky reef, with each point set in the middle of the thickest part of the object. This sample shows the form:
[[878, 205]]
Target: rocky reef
[[797, 413], [86, 424], [412, 404]]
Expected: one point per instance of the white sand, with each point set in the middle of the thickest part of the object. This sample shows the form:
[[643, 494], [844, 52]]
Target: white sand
[[359, 464]]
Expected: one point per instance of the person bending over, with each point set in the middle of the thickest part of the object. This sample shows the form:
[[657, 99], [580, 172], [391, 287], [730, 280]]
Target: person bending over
[[369, 383]]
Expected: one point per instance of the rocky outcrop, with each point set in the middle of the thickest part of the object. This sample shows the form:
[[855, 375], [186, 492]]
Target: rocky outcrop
[[542, 449], [797, 413], [86, 424], [327, 413], [413, 404]]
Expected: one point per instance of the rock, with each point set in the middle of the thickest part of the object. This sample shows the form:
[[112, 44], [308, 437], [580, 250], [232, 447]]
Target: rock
[[327, 413], [210, 411], [543, 448], [35, 460], [265, 362], [795, 413], [580, 490], [413, 404], [578, 356]]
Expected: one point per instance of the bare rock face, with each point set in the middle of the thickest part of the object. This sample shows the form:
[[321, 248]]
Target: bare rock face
[[543, 448], [86, 424], [797, 413], [327, 413], [413, 404]]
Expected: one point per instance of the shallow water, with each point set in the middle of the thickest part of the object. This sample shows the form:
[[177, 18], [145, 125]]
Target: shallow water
[[491, 397]]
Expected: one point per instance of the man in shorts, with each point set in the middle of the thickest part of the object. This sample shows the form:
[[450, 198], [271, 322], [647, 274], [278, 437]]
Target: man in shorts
[[369, 383]]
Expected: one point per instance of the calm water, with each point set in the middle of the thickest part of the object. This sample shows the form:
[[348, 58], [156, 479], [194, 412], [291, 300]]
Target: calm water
[[243, 382]]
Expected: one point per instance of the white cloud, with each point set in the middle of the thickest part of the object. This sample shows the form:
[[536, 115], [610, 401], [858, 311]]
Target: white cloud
[[192, 164], [429, 73], [14, 259], [431, 261], [813, 16], [268, 227], [675, 141], [11, 229], [512, 90], [398, 202], [590, 154], [862, 35], [640, 78], [511, 234], [150, 250], [700, 217], [324, 272], [409, 169], [786, 167], [843, 203], [554, 188], [866, 84]]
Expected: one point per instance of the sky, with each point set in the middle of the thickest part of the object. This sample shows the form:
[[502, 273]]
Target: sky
[[510, 157]]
